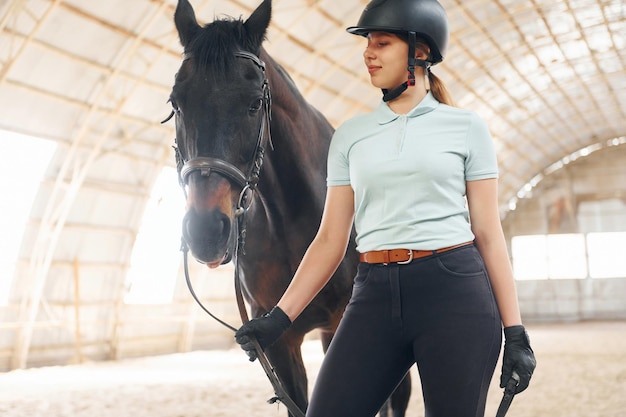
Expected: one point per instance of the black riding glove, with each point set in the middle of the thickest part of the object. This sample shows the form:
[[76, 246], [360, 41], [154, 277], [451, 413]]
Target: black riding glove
[[266, 329], [518, 357]]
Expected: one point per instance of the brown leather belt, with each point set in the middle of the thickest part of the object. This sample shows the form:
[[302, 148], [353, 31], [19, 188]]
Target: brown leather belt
[[402, 256]]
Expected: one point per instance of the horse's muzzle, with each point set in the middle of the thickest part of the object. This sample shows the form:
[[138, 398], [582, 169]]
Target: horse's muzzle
[[208, 235]]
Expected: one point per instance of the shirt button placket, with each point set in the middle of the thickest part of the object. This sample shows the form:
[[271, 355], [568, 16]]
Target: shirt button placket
[[402, 133]]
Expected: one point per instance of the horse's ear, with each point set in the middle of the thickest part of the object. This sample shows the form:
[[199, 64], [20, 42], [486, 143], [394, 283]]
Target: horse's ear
[[259, 20], [186, 23]]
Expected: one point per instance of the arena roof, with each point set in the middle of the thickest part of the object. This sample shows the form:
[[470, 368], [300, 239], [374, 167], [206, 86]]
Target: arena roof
[[548, 76]]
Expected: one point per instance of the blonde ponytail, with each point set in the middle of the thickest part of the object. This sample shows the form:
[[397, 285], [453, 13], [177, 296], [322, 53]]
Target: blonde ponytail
[[439, 90]]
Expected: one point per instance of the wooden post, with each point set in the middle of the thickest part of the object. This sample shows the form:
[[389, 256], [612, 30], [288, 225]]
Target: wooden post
[[78, 356]]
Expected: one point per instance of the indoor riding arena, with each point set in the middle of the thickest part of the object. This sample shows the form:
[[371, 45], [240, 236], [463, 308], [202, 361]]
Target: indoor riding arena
[[97, 309]]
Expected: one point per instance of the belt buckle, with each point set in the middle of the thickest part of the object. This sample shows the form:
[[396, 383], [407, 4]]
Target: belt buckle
[[408, 261]]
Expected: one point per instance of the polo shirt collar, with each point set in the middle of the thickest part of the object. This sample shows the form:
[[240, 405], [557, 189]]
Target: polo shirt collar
[[385, 115]]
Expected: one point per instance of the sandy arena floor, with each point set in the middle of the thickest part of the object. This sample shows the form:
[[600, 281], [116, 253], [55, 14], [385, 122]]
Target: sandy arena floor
[[581, 373]]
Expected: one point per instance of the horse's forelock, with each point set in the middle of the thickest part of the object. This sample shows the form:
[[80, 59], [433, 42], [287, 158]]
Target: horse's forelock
[[213, 49]]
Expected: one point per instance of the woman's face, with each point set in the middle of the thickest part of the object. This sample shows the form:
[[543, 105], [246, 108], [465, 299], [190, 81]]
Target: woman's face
[[386, 58]]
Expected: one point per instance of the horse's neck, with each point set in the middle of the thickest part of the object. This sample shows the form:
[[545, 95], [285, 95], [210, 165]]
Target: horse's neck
[[301, 135], [292, 187]]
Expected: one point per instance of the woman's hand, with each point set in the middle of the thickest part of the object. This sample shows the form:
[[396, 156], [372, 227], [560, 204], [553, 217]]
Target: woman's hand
[[265, 329], [518, 357]]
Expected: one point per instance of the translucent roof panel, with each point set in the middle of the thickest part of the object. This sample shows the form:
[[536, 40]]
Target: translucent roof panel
[[548, 77]]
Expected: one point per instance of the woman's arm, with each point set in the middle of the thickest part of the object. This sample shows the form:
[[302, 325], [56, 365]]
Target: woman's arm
[[482, 199], [324, 254], [518, 359]]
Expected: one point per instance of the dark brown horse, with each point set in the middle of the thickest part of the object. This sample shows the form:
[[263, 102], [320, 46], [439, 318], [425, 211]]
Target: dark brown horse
[[224, 133]]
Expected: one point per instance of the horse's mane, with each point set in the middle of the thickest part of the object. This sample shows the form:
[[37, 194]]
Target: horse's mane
[[215, 43]]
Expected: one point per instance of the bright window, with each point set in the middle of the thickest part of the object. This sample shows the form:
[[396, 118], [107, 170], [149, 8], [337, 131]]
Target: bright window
[[569, 256], [156, 255], [566, 256], [530, 257], [25, 160], [607, 254]]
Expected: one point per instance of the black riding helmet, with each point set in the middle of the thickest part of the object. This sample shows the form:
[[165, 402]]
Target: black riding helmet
[[426, 19]]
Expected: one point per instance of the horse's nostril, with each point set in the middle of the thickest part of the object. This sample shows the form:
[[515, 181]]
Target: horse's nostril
[[185, 228], [225, 225], [206, 229], [207, 235]]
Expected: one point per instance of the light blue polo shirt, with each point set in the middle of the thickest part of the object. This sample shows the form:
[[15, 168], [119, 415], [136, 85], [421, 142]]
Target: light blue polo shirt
[[408, 173]]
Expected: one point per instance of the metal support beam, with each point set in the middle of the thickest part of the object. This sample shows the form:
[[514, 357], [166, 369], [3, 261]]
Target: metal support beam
[[70, 178]]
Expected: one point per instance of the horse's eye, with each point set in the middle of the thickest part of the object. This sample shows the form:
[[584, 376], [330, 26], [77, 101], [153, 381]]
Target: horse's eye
[[256, 105]]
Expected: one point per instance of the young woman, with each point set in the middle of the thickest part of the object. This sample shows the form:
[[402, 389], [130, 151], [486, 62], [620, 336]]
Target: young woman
[[432, 287]]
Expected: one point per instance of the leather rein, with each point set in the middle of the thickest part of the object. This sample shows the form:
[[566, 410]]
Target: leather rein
[[248, 184]]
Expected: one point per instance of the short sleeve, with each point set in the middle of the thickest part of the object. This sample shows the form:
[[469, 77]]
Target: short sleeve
[[338, 167], [481, 162]]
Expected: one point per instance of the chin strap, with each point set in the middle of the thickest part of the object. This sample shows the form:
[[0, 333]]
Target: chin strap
[[389, 95], [395, 93]]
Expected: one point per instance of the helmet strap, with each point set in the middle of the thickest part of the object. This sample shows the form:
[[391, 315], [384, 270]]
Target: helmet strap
[[389, 95], [412, 61]]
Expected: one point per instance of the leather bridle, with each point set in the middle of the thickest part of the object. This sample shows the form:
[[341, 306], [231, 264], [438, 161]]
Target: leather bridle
[[206, 165], [248, 183]]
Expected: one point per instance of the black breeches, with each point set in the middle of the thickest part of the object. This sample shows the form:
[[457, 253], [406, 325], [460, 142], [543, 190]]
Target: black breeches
[[438, 312]]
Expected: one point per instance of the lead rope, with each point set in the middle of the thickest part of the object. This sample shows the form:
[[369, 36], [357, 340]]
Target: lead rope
[[184, 249], [279, 390], [270, 372]]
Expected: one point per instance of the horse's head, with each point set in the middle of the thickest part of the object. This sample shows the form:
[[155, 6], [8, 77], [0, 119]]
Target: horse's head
[[221, 102]]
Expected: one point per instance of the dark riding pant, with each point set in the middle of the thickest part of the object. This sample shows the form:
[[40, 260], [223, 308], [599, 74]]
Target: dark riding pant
[[438, 312]]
